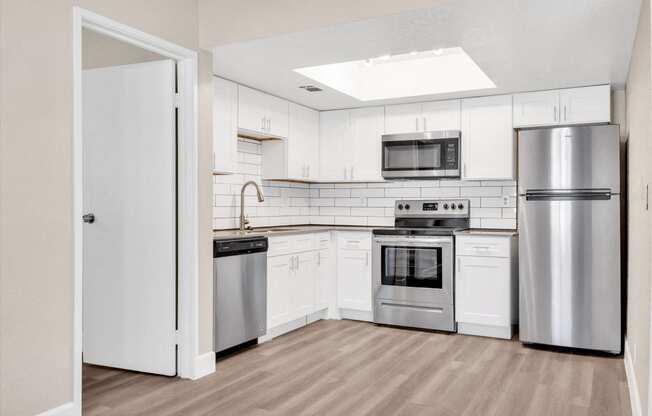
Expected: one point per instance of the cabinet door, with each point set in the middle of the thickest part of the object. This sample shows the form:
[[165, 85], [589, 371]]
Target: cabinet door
[[278, 291], [277, 113], [302, 285], [334, 144], [252, 111], [586, 105], [482, 286], [441, 115], [367, 128], [299, 140], [487, 138], [225, 126], [403, 118], [354, 279], [326, 279], [536, 109]]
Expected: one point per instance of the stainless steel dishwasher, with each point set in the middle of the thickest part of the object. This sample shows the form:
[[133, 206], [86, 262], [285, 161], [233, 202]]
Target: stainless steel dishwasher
[[239, 290]]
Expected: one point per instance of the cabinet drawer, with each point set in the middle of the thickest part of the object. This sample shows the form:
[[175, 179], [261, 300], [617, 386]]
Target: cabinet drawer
[[354, 240], [290, 244], [322, 240], [482, 246]]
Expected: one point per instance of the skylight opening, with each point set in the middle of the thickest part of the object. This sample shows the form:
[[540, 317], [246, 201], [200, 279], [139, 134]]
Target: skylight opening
[[411, 74]]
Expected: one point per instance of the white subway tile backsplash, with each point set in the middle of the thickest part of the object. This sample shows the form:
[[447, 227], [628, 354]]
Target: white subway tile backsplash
[[334, 192], [288, 203], [481, 191], [368, 192], [441, 192], [368, 212], [403, 193]]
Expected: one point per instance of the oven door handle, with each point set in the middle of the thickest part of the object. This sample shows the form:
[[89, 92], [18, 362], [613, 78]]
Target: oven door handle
[[428, 242]]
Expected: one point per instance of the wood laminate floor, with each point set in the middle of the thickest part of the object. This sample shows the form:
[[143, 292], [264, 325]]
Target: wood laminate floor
[[356, 368]]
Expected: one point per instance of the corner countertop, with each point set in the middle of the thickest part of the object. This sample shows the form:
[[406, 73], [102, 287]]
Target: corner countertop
[[488, 231], [288, 230]]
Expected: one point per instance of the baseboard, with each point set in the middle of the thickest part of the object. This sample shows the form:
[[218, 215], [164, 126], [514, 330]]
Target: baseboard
[[504, 332], [634, 396], [356, 315], [204, 365], [66, 409]]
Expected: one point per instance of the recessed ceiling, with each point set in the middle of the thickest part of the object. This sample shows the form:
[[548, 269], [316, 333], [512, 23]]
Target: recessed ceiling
[[521, 45], [411, 74]]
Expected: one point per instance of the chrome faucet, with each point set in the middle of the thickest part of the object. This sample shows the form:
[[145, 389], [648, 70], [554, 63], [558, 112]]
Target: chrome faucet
[[244, 222]]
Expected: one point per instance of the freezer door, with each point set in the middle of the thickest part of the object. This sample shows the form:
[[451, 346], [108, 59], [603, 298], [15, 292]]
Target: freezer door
[[569, 272], [569, 158]]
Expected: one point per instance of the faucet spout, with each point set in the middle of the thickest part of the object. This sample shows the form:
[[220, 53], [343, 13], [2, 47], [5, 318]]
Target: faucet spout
[[244, 222]]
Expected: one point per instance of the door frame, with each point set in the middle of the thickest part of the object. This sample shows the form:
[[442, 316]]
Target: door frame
[[188, 360]]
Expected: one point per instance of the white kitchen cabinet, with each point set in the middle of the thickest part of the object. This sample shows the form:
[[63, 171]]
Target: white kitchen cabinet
[[302, 284], [536, 109], [261, 115], [486, 292], [297, 157], [326, 273], [487, 138], [335, 155], [225, 126], [402, 118], [585, 105], [427, 116], [569, 106], [367, 126], [278, 290], [354, 271], [441, 115]]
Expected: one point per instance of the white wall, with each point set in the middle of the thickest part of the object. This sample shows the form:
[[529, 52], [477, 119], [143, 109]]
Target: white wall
[[36, 291], [371, 204], [638, 97]]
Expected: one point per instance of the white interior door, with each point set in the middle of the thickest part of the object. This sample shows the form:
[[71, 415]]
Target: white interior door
[[129, 271]]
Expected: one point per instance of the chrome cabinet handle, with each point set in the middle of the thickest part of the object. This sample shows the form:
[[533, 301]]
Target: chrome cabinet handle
[[425, 124], [555, 112], [269, 124], [565, 118], [262, 124], [366, 258], [416, 123], [308, 171], [88, 218], [459, 265]]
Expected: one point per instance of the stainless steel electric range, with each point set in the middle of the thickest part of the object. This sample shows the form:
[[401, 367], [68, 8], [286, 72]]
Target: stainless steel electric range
[[413, 264]]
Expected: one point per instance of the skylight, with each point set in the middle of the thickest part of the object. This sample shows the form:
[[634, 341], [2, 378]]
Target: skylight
[[406, 75]]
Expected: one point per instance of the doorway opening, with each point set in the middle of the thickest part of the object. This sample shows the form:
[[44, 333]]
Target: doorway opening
[[135, 201]]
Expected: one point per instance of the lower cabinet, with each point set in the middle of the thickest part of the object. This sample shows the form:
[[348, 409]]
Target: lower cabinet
[[278, 290], [486, 285], [354, 271], [302, 284]]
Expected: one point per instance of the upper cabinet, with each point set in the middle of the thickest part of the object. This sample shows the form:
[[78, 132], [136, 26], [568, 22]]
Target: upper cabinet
[[297, 157], [261, 115], [563, 107], [429, 116], [487, 138], [367, 126], [225, 126], [350, 144]]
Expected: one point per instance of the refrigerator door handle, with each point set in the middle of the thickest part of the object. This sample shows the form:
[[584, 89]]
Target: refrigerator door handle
[[568, 195]]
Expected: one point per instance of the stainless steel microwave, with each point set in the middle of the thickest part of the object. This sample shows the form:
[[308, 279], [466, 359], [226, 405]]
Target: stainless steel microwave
[[430, 154]]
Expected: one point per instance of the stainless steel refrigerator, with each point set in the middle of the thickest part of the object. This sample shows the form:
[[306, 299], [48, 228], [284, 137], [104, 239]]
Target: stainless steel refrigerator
[[569, 237]]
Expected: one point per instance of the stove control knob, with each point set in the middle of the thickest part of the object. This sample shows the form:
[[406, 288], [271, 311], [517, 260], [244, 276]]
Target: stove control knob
[[460, 206], [407, 206], [453, 206], [445, 206], [400, 206]]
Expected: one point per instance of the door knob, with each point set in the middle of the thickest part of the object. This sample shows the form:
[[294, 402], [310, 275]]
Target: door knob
[[88, 218]]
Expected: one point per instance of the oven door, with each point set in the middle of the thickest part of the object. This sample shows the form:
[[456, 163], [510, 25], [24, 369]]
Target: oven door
[[415, 270], [420, 155]]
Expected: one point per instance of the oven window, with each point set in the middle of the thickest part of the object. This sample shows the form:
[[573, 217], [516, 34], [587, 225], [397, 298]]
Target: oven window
[[412, 266], [412, 155]]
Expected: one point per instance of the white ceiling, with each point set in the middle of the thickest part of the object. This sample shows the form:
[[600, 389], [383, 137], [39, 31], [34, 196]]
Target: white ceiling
[[522, 45]]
